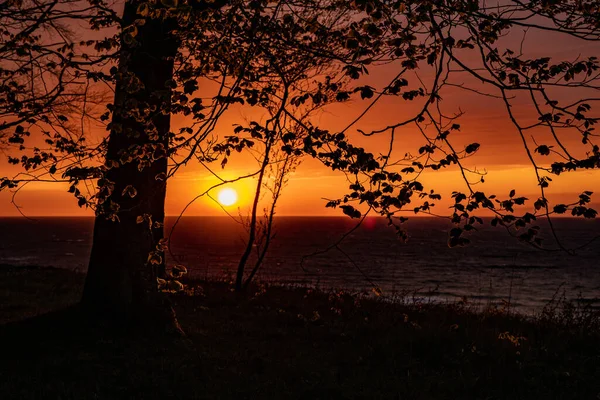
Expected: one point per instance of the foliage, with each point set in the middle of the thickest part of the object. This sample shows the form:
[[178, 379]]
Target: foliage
[[289, 59], [46, 81]]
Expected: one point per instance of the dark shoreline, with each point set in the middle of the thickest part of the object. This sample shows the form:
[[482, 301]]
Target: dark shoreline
[[433, 297], [293, 343]]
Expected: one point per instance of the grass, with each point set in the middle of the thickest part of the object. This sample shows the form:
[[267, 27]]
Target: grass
[[290, 343]]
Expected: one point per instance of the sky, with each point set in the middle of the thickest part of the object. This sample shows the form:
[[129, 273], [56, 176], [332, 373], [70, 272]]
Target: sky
[[485, 121]]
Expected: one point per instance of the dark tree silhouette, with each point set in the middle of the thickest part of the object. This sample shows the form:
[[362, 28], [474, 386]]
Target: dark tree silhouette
[[126, 258]]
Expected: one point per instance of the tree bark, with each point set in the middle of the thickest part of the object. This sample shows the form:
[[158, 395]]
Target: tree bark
[[121, 281]]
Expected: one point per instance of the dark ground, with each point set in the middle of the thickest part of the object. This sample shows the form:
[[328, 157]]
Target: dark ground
[[279, 343]]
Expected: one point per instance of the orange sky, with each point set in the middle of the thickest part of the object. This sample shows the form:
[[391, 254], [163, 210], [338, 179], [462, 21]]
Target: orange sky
[[485, 121], [501, 155]]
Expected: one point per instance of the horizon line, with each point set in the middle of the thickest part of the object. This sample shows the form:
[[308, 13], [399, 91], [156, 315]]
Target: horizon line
[[276, 216]]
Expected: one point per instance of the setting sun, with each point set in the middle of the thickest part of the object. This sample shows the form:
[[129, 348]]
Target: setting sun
[[227, 197]]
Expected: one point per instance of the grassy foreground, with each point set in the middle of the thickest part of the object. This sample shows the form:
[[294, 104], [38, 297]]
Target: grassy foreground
[[279, 343]]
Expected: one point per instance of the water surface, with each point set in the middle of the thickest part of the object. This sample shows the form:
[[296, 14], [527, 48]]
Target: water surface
[[495, 268]]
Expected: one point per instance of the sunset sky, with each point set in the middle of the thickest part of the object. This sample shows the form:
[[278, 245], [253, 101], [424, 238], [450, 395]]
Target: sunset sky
[[485, 121]]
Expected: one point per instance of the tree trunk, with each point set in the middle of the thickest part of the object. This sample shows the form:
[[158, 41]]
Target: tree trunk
[[239, 279], [121, 280]]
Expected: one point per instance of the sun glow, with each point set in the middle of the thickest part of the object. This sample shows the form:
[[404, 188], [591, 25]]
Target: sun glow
[[227, 197]]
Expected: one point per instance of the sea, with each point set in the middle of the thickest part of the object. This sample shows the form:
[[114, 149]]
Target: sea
[[331, 253]]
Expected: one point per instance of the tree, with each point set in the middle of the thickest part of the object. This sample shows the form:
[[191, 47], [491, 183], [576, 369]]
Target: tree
[[128, 251], [290, 57], [126, 254]]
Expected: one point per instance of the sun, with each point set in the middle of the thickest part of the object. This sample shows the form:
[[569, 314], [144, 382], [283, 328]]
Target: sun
[[227, 197]]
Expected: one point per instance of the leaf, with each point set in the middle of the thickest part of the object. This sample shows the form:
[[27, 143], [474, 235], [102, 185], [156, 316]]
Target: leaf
[[163, 244], [458, 197], [455, 232], [161, 283], [540, 203], [129, 191], [178, 271], [543, 150], [342, 96], [560, 208], [455, 238], [351, 211], [143, 9], [472, 148], [154, 258], [190, 86], [520, 200], [366, 92], [131, 31], [175, 286]]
